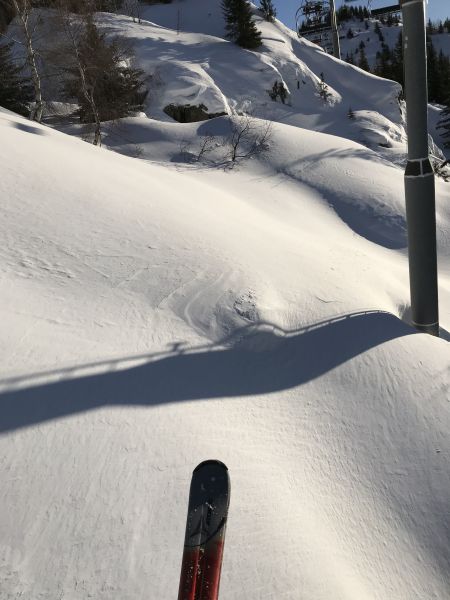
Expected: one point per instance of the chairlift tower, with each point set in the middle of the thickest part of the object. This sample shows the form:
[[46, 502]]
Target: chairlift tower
[[316, 21]]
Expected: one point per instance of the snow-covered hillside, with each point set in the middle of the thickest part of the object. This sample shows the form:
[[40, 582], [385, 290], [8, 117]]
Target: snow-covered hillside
[[373, 44], [157, 312], [197, 65]]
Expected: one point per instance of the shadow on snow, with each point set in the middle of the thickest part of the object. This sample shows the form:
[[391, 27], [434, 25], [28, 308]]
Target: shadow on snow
[[259, 359]]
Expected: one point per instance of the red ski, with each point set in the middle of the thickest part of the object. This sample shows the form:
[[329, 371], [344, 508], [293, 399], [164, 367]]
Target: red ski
[[209, 498]]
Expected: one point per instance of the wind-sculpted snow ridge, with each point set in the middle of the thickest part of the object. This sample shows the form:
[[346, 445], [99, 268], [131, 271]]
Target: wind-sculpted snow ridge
[[155, 315]]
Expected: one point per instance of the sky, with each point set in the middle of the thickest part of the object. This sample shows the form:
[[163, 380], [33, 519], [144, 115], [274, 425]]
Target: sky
[[436, 9]]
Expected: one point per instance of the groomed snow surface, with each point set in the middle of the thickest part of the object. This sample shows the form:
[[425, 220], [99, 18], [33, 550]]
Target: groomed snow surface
[[159, 312]]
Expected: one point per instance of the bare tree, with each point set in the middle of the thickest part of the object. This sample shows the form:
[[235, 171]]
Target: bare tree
[[73, 28], [192, 152], [133, 8], [207, 145], [249, 137], [23, 10]]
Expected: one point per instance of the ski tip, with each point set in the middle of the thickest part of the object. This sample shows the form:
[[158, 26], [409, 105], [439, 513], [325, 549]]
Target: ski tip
[[212, 461]]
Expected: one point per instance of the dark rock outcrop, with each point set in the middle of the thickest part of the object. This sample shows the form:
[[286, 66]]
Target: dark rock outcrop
[[187, 113]]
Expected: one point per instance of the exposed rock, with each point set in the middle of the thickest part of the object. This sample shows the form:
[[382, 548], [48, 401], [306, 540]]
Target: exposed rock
[[187, 113]]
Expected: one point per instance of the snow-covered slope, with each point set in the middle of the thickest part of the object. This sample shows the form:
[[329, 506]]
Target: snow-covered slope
[[373, 44], [193, 66], [153, 318], [197, 65], [158, 312]]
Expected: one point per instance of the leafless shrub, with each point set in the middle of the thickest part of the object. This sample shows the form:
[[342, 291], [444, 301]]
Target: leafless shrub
[[207, 144], [185, 153], [191, 152], [249, 137]]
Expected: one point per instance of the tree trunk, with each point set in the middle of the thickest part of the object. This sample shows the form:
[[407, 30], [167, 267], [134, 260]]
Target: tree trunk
[[23, 13], [88, 93]]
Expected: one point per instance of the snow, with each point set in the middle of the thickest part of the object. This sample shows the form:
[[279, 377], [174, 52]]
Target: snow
[[441, 41], [157, 313], [372, 43]]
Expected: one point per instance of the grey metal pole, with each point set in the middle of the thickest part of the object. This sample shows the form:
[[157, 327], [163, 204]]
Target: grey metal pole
[[334, 30], [419, 175]]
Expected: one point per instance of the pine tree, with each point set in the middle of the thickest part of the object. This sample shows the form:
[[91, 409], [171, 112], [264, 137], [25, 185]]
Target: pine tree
[[324, 92], [377, 30], [16, 92], [444, 123], [229, 10], [268, 10], [397, 61], [432, 72], [363, 63], [239, 25], [102, 79], [443, 83]]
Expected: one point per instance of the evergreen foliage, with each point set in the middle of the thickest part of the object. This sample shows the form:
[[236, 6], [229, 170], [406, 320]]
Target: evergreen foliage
[[438, 72], [278, 91], [239, 25], [363, 63], [397, 61], [324, 92], [81, 6], [350, 58], [389, 64], [432, 72], [377, 30], [346, 13], [116, 88], [7, 14], [268, 10], [16, 92], [444, 123]]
